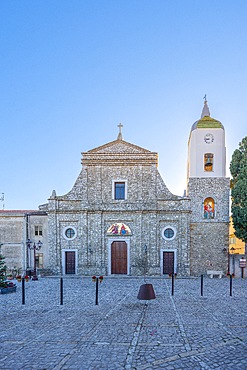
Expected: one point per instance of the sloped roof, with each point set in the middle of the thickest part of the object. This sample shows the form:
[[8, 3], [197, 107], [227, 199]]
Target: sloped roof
[[207, 122], [117, 146], [119, 152], [21, 212]]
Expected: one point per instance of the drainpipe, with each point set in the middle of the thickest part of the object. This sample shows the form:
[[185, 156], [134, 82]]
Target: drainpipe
[[26, 260]]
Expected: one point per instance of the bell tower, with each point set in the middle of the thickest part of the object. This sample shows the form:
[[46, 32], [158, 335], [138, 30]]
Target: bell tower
[[208, 189], [206, 147]]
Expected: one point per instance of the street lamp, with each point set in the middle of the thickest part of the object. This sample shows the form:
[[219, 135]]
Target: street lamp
[[232, 249], [34, 247]]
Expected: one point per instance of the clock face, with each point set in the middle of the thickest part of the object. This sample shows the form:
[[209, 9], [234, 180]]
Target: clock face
[[208, 138]]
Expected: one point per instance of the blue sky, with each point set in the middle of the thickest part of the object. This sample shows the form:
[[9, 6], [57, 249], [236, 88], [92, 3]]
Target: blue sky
[[70, 71]]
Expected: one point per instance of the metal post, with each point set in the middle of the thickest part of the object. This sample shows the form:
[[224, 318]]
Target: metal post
[[228, 261], [61, 291], [201, 285], [172, 284], [23, 290], [97, 291], [34, 263], [242, 272], [231, 285]]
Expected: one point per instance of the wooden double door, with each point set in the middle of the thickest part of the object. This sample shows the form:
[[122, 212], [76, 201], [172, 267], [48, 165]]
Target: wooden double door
[[119, 257]]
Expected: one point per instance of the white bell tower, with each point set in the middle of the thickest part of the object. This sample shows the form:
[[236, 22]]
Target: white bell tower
[[206, 147], [208, 190]]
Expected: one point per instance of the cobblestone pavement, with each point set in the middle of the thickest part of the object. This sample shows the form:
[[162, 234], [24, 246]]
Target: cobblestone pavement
[[180, 331]]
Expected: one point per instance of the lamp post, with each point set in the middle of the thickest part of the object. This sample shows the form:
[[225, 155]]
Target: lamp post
[[232, 249], [35, 247], [96, 280]]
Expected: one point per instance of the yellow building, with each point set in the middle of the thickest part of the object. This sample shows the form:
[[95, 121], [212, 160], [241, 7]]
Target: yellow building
[[236, 246]]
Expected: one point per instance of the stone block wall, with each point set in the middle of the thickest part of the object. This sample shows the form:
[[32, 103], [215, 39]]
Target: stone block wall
[[207, 252], [209, 237], [217, 188], [92, 240]]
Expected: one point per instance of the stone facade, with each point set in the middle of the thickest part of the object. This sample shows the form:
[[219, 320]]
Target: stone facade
[[90, 208]]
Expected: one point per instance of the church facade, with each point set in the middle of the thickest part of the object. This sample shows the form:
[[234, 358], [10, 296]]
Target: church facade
[[120, 218]]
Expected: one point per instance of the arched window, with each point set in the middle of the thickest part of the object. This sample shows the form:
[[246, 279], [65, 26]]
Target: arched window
[[208, 162], [209, 208]]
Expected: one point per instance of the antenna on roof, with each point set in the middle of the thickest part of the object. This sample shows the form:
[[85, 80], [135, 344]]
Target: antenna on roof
[[2, 199]]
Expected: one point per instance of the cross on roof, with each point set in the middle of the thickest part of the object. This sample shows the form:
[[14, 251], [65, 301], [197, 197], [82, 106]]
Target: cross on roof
[[205, 110], [120, 131]]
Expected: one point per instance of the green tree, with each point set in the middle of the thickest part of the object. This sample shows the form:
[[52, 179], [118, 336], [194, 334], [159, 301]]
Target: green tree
[[3, 283], [238, 168]]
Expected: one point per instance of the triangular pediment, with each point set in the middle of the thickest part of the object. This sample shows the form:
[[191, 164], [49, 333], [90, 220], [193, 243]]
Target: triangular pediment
[[118, 146], [119, 153]]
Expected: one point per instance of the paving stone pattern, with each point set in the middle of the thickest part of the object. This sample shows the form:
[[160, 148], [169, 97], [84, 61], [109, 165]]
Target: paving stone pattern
[[183, 331]]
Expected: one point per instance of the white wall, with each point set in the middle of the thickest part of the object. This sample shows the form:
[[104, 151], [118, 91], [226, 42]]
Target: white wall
[[197, 147]]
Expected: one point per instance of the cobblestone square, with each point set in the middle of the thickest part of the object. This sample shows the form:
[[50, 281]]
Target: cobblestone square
[[180, 331]]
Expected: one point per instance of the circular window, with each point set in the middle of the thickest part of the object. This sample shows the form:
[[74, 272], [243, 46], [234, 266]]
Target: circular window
[[69, 233], [169, 233]]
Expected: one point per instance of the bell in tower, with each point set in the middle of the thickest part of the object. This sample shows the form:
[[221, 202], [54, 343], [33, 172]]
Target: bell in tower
[[208, 161]]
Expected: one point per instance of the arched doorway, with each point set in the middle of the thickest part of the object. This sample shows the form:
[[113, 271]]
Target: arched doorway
[[119, 257]]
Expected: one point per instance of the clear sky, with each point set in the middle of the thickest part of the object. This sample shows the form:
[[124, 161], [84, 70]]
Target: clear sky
[[71, 70]]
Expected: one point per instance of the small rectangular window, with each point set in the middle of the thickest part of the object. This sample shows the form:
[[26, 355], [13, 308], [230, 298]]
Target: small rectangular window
[[38, 230], [119, 190]]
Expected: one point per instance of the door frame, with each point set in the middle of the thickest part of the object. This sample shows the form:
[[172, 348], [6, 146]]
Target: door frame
[[161, 259], [64, 260], [110, 241]]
